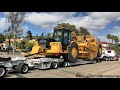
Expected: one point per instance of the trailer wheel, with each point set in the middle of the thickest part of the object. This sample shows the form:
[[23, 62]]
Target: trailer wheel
[[73, 52], [54, 65], [68, 64], [22, 68], [64, 64], [3, 71]]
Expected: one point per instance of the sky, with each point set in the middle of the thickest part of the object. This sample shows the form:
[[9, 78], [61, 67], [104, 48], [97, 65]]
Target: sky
[[97, 23]]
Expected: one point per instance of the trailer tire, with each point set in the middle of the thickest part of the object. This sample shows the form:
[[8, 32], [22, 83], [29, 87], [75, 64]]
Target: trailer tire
[[54, 65], [64, 64], [3, 71], [22, 68]]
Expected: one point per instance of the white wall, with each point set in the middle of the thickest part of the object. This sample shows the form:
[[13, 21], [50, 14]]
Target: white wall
[[105, 45]]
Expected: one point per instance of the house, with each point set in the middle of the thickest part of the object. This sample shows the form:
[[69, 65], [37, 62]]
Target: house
[[105, 45], [32, 41], [3, 46]]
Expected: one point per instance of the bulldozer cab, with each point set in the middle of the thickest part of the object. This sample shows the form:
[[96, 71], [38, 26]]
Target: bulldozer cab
[[63, 36]]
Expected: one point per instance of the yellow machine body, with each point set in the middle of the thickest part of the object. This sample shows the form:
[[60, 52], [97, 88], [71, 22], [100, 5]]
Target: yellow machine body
[[88, 47], [36, 49]]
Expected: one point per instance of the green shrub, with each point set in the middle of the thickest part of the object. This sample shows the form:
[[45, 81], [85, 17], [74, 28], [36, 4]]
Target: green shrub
[[29, 45], [21, 45]]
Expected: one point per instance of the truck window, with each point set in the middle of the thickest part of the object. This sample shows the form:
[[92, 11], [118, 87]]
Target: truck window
[[66, 37], [58, 35], [109, 51]]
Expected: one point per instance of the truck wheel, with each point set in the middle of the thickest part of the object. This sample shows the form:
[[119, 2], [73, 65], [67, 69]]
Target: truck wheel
[[116, 59], [22, 68], [99, 51], [73, 52], [54, 65], [107, 58], [104, 58], [3, 71]]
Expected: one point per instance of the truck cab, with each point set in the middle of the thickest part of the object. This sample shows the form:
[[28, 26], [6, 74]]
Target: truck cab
[[109, 54]]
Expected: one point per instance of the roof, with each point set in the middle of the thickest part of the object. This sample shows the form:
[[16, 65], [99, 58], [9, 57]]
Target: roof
[[104, 43], [104, 47], [10, 40]]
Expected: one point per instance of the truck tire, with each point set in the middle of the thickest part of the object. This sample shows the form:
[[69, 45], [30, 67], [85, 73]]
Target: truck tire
[[54, 65], [116, 59], [22, 68], [73, 52], [104, 58], [99, 51], [3, 71]]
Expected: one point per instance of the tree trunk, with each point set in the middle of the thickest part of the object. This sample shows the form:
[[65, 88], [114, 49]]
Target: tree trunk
[[112, 41], [8, 47]]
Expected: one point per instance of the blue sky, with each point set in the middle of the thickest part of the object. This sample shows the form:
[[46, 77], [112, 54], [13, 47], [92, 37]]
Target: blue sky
[[97, 23]]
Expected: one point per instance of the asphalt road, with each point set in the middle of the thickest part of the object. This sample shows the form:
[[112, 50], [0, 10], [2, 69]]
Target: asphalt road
[[105, 69]]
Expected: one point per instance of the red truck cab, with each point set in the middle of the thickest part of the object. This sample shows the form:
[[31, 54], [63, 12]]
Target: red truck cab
[[116, 57]]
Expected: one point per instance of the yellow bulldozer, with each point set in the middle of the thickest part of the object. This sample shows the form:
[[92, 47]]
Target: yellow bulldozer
[[66, 44]]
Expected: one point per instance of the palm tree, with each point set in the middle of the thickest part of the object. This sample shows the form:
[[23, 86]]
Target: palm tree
[[108, 37], [112, 38], [116, 39]]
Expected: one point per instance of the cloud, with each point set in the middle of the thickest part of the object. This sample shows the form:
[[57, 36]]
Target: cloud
[[103, 39], [42, 19], [5, 13], [25, 29], [96, 21], [93, 21], [63, 14], [3, 24], [115, 31], [45, 19]]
